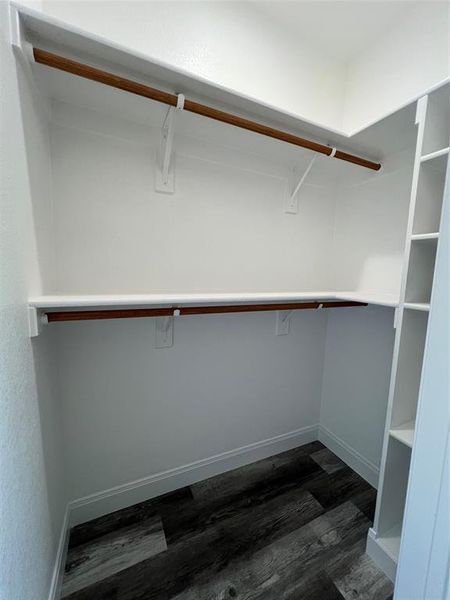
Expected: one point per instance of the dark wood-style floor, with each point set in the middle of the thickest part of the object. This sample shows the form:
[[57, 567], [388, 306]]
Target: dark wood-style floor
[[291, 527]]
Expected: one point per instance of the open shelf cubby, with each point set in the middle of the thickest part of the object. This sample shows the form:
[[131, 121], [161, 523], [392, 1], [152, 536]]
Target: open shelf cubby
[[436, 133], [390, 541], [404, 433], [420, 272], [430, 192], [393, 497], [409, 367]]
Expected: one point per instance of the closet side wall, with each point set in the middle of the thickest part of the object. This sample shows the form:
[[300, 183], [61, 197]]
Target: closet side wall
[[370, 227], [32, 497], [369, 239], [355, 389]]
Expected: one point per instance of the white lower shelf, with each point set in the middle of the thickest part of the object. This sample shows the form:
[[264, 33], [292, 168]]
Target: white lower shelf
[[157, 300], [390, 541], [424, 237], [377, 298], [423, 306], [149, 300], [437, 159], [404, 433]]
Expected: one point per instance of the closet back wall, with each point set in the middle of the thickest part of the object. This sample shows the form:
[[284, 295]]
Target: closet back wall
[[229, 386], [132, 411], [224, 229]]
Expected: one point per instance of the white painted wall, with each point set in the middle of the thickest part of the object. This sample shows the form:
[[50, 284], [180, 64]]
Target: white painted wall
[[32, 498], [411, 57], [227, 43], [223, 230], [344, 88]]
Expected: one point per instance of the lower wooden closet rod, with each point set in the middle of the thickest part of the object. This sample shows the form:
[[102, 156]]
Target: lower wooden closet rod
[[75, 68], [130, 313]]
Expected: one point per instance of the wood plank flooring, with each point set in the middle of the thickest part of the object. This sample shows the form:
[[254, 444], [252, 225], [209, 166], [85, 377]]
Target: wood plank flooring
[[291, 527]]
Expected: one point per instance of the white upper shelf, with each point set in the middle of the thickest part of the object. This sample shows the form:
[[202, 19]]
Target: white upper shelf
[[148, 300], [56, 36]]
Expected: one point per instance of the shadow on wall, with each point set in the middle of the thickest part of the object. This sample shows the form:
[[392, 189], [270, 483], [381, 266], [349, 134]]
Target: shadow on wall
[[35, 114]]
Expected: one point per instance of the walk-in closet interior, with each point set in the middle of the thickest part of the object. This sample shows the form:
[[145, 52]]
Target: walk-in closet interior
[[213, 281]]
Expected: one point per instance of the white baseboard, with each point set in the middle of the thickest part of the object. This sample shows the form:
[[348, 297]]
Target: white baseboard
[[366, 469], [60, 560], [380, 556], [116, 498]]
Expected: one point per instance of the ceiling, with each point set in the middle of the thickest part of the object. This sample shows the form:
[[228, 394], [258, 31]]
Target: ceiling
[[342, 28]]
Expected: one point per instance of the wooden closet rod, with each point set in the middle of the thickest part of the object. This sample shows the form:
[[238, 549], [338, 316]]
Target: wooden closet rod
[[70, 66], [129, 313]]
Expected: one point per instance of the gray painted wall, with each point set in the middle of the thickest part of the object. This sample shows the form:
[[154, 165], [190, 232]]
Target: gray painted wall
[[227, 382], [356, 374]]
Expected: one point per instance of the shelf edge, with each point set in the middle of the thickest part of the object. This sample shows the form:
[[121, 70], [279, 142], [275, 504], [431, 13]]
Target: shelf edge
[[54, 301]]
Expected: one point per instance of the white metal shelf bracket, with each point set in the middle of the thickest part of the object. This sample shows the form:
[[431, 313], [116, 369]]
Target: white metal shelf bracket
[[164, 332], [165, 163], [23, 51], [291, 202], [21, 47], [283, 321], [15, 30]]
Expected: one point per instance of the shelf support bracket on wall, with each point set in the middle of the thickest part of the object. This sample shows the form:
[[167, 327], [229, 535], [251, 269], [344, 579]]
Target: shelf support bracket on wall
[[36, 321], [283, 321], [165, 167], [291, 202], [22, 49], [20, 46], [164, 332]]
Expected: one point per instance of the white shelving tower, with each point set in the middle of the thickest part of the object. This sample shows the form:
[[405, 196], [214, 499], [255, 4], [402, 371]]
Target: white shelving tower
[[427, 193]]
